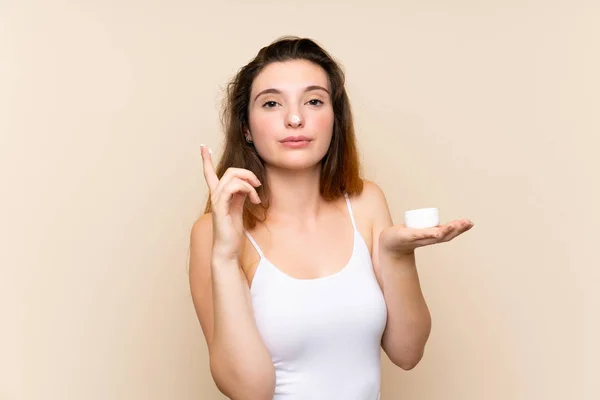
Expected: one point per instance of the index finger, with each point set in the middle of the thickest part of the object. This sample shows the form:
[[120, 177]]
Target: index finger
[[209, 171]]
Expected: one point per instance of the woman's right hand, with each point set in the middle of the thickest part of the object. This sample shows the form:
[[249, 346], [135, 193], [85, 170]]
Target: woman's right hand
[[227, 196]]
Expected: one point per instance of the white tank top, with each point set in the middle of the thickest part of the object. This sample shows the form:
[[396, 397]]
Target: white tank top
[[323, 334]]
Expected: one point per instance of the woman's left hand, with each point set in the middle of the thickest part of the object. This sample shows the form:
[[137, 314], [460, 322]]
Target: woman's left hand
[[400, 240]]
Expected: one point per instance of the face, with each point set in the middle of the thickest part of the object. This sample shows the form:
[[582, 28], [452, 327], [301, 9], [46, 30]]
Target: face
[[291, 115]]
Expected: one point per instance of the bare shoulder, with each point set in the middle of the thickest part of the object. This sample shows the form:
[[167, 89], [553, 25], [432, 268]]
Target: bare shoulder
[[372, 209], [201, 240], [200, 248], [202, 229], [372, 203], [201, 237], [372, 194], [371, 212]]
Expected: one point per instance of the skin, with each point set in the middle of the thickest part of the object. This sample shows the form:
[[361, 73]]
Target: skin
[[223, 262]]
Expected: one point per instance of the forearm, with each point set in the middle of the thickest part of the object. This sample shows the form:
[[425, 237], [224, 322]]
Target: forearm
[[409, 321], [240, 362]]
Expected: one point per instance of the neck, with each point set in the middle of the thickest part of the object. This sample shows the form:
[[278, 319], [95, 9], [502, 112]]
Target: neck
[[294, 195]]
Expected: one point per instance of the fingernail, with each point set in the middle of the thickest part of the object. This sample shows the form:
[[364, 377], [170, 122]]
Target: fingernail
[[203, 146]]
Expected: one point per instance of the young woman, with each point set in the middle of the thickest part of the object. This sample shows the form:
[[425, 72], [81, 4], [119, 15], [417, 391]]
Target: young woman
[[297, 273]]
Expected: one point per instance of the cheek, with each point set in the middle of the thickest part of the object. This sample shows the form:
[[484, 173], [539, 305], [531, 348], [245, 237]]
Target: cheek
[[324, 124], [264, 124]]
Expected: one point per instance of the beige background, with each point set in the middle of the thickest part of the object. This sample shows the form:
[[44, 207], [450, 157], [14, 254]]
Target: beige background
[[487, 110]]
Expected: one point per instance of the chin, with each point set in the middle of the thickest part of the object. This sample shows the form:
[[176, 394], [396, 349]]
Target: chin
[[299, 159], [297, 163], [300, 166]]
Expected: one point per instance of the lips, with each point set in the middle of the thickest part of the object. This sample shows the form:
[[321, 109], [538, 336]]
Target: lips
[[296, 139]]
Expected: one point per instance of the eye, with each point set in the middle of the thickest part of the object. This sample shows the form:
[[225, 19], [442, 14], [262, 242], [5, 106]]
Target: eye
[[315, 102], [270, 104]]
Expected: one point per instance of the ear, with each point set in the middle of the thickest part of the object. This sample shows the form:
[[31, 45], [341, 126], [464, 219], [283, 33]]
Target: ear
[[247, 135]]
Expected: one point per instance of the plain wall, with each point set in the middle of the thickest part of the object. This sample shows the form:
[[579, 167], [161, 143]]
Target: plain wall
[[487, 110]]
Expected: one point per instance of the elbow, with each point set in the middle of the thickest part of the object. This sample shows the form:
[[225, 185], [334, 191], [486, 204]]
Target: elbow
[[408, 352], [406, 360], [408, 365], [244, 382]]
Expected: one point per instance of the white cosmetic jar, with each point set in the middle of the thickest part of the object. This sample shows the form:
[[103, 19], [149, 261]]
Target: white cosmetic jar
[[422, 218]]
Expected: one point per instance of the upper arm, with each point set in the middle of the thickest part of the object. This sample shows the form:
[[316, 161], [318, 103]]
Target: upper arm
[[381, 218], [200, 273]]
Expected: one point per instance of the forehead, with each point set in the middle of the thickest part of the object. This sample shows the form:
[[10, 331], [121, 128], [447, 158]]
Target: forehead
[[290, 75]]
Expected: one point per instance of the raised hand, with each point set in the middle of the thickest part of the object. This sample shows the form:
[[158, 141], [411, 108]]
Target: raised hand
[[227, 196]]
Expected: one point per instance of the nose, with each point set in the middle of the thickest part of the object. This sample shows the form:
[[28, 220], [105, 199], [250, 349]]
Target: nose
[[294, 120]]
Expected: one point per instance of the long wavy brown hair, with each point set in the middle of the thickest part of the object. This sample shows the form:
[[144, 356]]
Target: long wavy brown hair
[[340, 167]]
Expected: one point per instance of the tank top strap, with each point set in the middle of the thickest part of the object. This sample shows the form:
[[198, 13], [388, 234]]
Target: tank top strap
[[256, 247], [350, 211]]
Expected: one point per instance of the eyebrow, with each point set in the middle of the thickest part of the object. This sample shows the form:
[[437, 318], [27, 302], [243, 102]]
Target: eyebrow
[[277, 91]]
